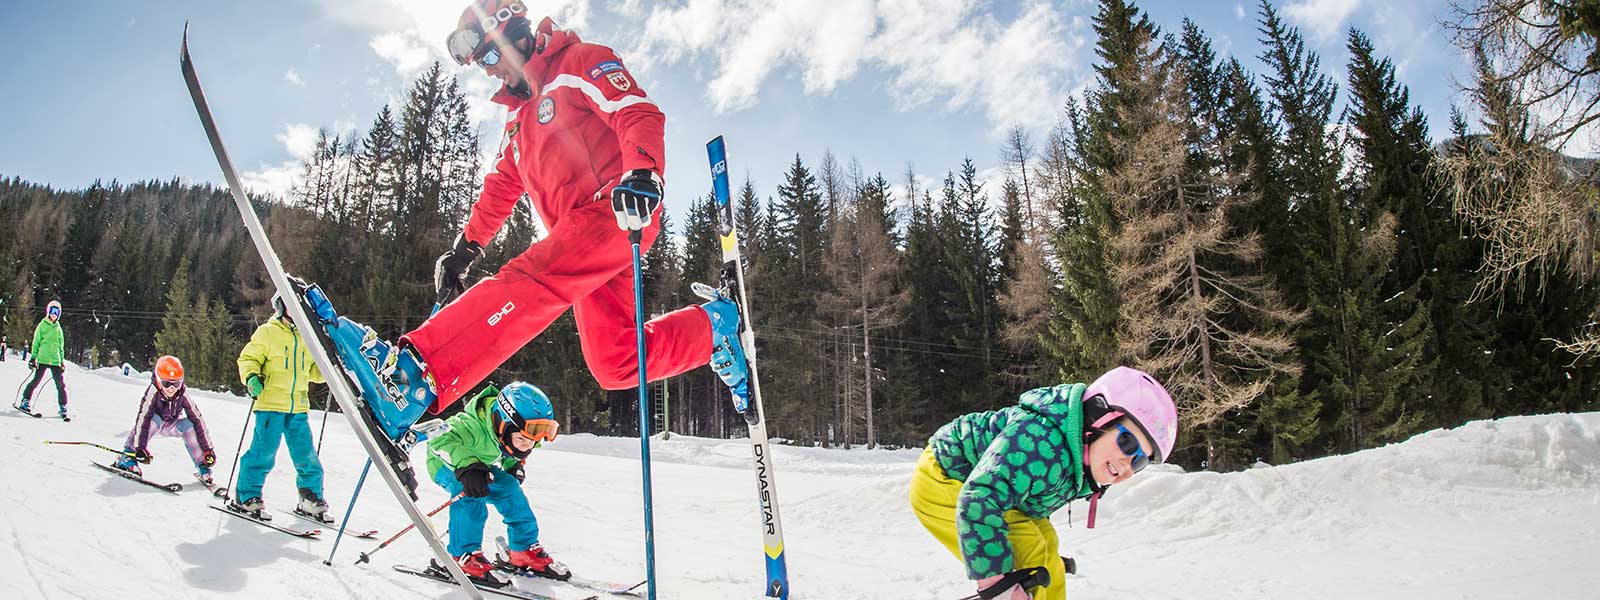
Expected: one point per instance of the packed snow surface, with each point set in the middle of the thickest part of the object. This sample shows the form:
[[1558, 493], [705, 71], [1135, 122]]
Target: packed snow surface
[[1495, 509]]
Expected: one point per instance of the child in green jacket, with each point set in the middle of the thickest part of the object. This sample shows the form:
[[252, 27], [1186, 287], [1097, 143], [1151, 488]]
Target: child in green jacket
[[48, 357], [481, 458], [989, 481]]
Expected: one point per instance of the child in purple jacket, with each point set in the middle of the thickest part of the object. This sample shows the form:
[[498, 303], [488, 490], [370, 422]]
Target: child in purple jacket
[[166, 411]]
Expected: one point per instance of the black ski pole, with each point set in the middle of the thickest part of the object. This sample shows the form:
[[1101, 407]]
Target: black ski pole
[[1028, 578], [367, 556], [222, 492], [91, 444], [17, 402]]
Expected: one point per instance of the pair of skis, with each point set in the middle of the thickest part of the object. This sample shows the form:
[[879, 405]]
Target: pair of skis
[[594, 589]]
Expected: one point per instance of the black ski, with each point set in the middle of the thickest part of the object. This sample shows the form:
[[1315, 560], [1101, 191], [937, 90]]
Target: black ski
[[508, 590], [366, 534], [130, 476], [501, 562], [27, 412], [309, 534]]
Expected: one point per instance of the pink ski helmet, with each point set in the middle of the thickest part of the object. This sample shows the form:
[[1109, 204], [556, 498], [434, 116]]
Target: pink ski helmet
[[1134, 393]]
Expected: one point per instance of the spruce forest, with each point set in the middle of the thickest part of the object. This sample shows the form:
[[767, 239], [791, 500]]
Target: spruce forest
[[1292, 256]]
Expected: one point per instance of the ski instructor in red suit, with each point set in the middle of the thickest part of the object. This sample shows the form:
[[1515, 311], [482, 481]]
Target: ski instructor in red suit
[[585, 143]]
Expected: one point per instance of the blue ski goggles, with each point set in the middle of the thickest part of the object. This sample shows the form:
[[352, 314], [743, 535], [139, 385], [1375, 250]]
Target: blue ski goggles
[[54, 312], [1128, 443]]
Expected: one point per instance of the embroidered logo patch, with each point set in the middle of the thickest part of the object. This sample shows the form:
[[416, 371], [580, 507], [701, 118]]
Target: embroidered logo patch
[[547, 110], [620, 81], [609, 66]]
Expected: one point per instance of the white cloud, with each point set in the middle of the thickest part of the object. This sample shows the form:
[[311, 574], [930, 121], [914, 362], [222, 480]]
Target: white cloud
[[1238, 10], [276, 181], [299, 139], [406, 50], [931, 51], [1322, 19], [293, 77]]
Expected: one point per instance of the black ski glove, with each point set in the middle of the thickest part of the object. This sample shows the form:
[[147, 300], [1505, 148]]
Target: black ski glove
[[474, 480], [517, 472], [143, 456], [635, 199], [450, 273]]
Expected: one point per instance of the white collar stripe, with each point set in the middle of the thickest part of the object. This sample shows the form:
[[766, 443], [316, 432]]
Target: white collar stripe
[[594, 94]]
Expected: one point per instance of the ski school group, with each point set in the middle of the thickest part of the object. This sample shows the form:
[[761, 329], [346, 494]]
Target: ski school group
[[586, 145]]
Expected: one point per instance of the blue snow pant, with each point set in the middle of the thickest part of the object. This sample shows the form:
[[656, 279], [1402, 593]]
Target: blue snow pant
[[263, 453], [468, 515]]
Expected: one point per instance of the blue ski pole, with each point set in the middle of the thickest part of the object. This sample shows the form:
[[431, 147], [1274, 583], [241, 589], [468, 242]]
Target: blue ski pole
[[644, 417], [353, 495]]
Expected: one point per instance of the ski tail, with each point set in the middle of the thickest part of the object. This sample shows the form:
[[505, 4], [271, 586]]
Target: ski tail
[[338, 387], [754, 416]]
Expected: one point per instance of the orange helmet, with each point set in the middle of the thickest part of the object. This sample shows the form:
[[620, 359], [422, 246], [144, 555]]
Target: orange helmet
[[169, 368], [483, 23]]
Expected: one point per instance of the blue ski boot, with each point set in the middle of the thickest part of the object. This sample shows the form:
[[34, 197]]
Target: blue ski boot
[[727, 355], [393, 381], [394, 386], [127, 463]]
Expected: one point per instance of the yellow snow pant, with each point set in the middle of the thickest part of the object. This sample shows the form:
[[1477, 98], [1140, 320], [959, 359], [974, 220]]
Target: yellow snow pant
[[1033, 541]]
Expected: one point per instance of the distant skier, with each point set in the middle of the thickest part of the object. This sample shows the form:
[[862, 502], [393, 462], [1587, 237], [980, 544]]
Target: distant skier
[[481, 457], [5, 348], [988, 482], [166, 411], [278, 371], [580, 130], [47, 357]]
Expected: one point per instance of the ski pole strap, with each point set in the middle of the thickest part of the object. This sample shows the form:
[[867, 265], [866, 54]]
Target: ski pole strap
[[106, 448], [1028, 578]]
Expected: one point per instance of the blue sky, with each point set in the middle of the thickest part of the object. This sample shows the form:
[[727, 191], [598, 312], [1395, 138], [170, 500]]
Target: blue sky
[[93, 89]]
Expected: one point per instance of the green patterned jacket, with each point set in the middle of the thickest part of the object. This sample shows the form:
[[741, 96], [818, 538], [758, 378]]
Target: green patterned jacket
[[1027, 457]]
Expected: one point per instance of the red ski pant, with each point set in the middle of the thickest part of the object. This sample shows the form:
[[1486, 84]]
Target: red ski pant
[[586, 263]]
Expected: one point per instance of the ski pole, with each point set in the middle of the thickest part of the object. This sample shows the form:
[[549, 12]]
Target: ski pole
[[349, 509], [92, 444], [634, 237], [223, 492], [367, 556], [17, 403]]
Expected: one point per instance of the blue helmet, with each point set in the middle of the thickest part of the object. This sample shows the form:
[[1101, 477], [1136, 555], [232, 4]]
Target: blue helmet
[[521, 402], [523, 408]]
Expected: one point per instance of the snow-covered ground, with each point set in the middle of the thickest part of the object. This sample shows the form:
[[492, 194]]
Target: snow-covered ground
[[1498, 509]]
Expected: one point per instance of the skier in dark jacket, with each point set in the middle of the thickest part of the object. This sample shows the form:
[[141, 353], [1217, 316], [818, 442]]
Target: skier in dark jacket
[[166, 411]]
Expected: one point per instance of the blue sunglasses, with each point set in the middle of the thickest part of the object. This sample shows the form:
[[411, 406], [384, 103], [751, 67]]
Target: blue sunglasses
[[1128, 443]]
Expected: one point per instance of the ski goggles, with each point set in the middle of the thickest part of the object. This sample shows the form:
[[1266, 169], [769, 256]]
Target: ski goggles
[[169, 384], [54, 311], [466, 46], [541, 430], [1128, 443]]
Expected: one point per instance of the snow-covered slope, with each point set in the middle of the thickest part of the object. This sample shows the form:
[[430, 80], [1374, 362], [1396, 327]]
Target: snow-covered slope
[[1500, 509]]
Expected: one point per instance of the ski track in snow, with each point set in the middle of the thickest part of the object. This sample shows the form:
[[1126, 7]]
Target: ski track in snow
[[1492, 509]]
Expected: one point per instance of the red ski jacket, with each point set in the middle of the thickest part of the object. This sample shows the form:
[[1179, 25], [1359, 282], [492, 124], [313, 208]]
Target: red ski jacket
[[586, 124]]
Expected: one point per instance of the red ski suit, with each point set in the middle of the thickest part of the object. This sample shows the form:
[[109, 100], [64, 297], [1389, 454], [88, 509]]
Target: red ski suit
[[586, 125]]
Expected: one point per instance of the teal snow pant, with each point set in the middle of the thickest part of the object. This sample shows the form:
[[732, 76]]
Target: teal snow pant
[[294, 428], [467, 515]]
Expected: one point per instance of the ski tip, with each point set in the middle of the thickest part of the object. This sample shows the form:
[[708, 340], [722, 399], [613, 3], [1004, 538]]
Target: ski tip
[[183, 49]]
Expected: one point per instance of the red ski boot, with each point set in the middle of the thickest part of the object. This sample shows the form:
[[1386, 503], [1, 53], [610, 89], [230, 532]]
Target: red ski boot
[[535, 561]]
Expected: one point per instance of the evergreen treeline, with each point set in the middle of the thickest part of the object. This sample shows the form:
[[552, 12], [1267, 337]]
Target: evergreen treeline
[[1277, 247]]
